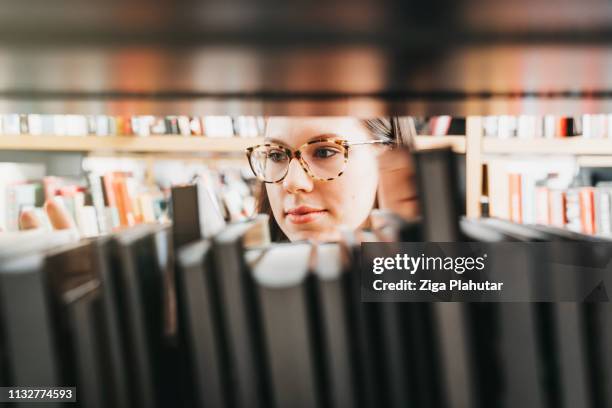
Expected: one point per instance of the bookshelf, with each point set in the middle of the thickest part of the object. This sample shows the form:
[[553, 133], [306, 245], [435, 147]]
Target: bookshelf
[[153, 144], [573, 145], [474, 145], [171, 144], [592, 152]]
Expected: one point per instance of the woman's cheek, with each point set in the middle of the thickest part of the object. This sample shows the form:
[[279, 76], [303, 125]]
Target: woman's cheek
[[275, 198], [360, 193], [349, 201]]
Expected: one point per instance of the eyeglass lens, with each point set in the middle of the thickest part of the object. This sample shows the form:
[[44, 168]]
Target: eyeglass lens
[[324, 160]]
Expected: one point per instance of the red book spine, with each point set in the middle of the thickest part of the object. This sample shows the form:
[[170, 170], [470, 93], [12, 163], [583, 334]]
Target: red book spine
[[587, 213], [562, 124], [127, 127], [124, 202]]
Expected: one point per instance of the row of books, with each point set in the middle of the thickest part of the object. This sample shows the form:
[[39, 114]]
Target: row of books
[[137, 317], [585, 210], [234, 185], [106, 203], [592, 126], [115, 194], [551, 191], [142, 126], [500, 179]]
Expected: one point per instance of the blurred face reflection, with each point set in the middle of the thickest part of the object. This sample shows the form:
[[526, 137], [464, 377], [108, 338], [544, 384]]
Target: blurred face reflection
[[307, 207]]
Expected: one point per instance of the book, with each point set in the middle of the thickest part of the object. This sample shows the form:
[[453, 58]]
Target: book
[[542, 206], [587, 210], [572, 212], [19, 198], [516, 186], [332, 281], [515, 204], [195, 212], [125, 125], [289, 324], [142, 272], [15, 173], [184, 126], [237, 292], [557, 204], [218, 126], [603, 210], [202, 326]]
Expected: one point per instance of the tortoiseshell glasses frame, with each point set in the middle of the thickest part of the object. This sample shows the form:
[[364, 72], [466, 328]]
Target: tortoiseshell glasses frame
[[342, 146]]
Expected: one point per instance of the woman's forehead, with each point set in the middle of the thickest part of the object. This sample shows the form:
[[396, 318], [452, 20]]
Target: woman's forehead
[[294, 132]]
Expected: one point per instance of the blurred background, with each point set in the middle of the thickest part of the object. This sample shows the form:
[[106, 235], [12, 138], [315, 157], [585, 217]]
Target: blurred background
[[362, 57], [137, 112]]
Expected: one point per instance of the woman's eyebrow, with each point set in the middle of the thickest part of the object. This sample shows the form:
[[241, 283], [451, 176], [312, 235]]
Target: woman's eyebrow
[[316, 137], [275, 141], [324, 136]]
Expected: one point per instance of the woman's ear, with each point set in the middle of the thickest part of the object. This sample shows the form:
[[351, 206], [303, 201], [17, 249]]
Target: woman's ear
[[397, 187]]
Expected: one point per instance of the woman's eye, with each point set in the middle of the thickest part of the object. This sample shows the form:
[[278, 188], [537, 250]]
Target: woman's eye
[[277, 155], [325, 153]]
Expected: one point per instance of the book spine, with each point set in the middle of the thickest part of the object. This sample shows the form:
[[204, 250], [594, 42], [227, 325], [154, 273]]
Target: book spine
[[557, 208], [515, 198], [587, 217], [124, 203], [573, 210], [542, 213]]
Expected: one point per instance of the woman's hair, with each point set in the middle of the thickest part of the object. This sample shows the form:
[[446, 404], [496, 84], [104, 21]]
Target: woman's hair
[[399, 130]]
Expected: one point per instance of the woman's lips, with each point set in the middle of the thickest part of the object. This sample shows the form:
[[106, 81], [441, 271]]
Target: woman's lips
[[304, 214]]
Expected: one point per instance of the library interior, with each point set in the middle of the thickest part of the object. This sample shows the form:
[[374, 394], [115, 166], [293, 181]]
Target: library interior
[[160, 246]]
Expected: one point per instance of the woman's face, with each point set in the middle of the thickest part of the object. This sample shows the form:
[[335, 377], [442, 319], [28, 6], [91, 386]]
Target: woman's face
[[306, 208]]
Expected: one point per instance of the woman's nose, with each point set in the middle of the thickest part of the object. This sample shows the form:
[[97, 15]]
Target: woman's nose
[[297, 179]]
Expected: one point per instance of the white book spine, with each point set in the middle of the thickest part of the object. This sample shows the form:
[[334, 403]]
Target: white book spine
[[550, 127], [538, 127], [489, 123], [528, 198], [101, 125], [11, 124], [587, 126], [507, 126], [35, 124], [526, 127], [602, 126], [87, 221], [59, 125]]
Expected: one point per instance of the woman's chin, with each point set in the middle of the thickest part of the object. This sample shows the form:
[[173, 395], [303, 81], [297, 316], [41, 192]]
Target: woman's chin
[[314, 235]]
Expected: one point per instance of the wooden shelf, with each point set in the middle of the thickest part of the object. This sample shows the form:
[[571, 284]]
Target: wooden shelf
[[170, 144], [126, 143], [573, 145]]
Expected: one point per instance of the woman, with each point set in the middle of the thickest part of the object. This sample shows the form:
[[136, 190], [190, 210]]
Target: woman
[[321, 173]]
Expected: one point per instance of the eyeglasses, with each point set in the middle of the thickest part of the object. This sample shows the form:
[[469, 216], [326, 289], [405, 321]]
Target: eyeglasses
[[321, 159]]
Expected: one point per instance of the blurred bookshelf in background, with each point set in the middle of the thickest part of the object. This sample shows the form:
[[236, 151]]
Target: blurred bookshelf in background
[[548, 170], [118, 192], [114, 190], [139, 126]]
